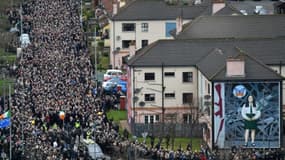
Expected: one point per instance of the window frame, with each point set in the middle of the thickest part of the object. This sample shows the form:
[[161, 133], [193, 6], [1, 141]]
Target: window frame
[[125, 27], [151, 118], [168, 95], [143, 40], [144, 27], [149, 97], [148, 77], [186, 78], [125, 41], [184, 99], [169, 74]]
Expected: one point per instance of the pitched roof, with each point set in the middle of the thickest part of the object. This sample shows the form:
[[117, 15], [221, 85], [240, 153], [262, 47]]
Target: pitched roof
[[190, 52], [251, 26], [213, 66], [160, 10]]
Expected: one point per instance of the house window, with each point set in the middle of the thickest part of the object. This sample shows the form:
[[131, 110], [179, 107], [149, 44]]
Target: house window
[[144, 27], [144, 43], [209, 88], [150, 119], [146, 119], [169, 74], [187, 118], [169, 95], [157, 118], [187, 77], [187, 98], [168, 27], [126, 43], [149, 76], [149, 97], [128, 27]]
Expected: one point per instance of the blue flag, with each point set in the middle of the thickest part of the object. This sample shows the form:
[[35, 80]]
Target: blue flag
[[5, 123]]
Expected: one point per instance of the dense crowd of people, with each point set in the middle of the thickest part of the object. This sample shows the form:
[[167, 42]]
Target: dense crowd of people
[[54, 75]]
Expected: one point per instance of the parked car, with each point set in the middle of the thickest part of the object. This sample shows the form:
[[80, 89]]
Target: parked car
[[111, 73], [113, 84]]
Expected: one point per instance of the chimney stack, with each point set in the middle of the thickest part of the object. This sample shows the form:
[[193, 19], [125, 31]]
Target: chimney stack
[[179, 24], [218, 5], [115, 7], [132, 48]]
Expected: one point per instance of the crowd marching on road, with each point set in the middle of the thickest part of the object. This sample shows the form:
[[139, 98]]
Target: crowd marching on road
[[53, 76]]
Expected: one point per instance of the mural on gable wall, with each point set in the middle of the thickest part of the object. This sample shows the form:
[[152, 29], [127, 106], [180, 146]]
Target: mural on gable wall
[[247, 114]]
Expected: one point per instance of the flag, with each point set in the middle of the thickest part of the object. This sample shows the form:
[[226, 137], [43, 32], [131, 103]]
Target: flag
[[5, 122], [5, 115]]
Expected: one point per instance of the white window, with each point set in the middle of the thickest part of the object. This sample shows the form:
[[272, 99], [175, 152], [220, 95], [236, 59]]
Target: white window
[[150, 119], [144, 27]]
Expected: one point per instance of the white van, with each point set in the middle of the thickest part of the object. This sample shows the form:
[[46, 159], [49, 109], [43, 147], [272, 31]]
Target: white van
[[110, 73], [25, 40]]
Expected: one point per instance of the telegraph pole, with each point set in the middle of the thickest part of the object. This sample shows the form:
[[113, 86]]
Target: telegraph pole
[[162, 96], [95, 54]]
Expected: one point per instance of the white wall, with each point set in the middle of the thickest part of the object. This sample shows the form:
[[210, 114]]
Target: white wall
[[173, 85], [203, 89], [156, 31]]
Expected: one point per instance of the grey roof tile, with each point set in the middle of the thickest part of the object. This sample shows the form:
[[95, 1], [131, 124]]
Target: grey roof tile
[[254, 69], [191, 52], [251, 26], [159, 10]]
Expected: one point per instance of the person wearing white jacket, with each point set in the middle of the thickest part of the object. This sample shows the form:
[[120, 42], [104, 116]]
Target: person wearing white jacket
[[250, 113]]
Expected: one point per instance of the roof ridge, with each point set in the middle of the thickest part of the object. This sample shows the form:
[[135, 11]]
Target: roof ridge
[[258, 61], [242, 52], [233, 8], [189, 25], [122, 9], [143, 52]]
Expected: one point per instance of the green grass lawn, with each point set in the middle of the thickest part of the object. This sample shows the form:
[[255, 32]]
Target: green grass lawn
[[4, 86], [117, 115], [6, 57]]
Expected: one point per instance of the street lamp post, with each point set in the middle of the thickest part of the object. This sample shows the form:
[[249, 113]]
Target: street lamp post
[[162, 96], [81, 13]]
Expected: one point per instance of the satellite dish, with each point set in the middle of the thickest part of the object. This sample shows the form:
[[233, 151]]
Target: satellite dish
[[135, 98], [142, 104], [137, 90]]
